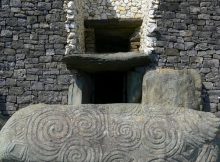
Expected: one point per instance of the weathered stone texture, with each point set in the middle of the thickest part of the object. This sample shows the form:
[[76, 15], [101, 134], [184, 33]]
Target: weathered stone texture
[[185, 35], [32, 45], [103, 133], [108, 9], [164, 127], [121, 61], [167, 87], [35, 35]]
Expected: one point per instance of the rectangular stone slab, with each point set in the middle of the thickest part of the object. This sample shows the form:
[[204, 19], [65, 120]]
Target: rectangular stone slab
[[109, 133], [121, 61]]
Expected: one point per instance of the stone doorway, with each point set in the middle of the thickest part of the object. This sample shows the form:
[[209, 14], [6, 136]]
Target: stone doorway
[[109, 87]]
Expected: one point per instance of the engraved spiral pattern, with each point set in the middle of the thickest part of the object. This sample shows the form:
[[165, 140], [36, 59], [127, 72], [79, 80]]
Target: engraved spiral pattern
[[175, 159], [118, 156], [79, 150], [161, 137], [47, 131], [158, 160], [126, 136], [90, 123]]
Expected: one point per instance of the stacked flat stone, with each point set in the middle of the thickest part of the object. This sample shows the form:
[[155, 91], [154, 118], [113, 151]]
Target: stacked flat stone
[[32, 45], [108, 9], [185, 34]]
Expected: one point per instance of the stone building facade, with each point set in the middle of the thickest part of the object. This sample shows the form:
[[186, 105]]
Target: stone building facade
[[36, 35]]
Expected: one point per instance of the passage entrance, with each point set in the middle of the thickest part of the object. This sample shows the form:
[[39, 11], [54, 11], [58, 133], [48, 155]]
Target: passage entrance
[[109, 87]]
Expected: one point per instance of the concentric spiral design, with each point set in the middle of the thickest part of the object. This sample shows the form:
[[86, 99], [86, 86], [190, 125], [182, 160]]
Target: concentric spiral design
[[47, 131], [161, 137], [118, 156], [175, 159], [90, 123], [126, 136], [158, 160], [79, 150]]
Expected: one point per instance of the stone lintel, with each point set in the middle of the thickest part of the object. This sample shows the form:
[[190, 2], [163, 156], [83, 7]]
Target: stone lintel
[[106, 62]]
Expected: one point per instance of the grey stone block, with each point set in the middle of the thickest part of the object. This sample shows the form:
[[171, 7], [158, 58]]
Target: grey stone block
[[172, 52], [44, 6], [6, 33], [15, 3], [37, 86], [168, 87], [103, 133]]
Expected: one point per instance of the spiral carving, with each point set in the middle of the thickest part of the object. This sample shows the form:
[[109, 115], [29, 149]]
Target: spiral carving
[[47, 131], [158, 160], [79, 150], [126, 136], [118, 156], [89, 123], [161, 137]]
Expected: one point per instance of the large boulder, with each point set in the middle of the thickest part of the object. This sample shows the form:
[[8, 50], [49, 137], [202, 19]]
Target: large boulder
[[109, 133], [168, 87]]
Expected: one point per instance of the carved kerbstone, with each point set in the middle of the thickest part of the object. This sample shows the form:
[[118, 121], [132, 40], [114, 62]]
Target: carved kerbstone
[[107, 133], [164, 128]]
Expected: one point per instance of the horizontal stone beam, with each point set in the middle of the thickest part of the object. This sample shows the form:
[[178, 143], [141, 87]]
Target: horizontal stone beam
[[106, 62]]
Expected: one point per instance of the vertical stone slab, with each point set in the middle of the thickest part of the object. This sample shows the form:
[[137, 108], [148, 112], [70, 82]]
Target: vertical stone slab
[[75, 94], [134, 85], [80, 91], [167, 87]]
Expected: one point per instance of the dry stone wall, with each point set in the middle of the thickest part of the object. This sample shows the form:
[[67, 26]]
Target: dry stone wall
[[35, 36], [108, 9], [32, 44], [186, 34]]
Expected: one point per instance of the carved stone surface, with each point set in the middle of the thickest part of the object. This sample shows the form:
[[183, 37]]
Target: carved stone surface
[[109, 133], [168, 87]]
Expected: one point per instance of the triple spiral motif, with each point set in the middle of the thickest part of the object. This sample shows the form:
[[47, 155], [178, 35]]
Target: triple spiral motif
[[126, 136], [161, 137], [90, 123], [47, 131], [56, 135], [118, 156], [79, 150]]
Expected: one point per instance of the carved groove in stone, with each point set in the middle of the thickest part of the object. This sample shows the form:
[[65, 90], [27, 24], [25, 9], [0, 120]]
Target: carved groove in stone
[[47, 131], [161, 137], [106, 133], [89, 123]]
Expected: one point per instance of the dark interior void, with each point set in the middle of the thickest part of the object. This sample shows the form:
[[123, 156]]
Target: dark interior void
[[113, 35], [112, 40], [109, 87]]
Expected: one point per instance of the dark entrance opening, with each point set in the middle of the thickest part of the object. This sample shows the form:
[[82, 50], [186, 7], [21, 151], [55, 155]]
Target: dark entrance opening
[[109, 87], [112, 40], [112, 35]]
